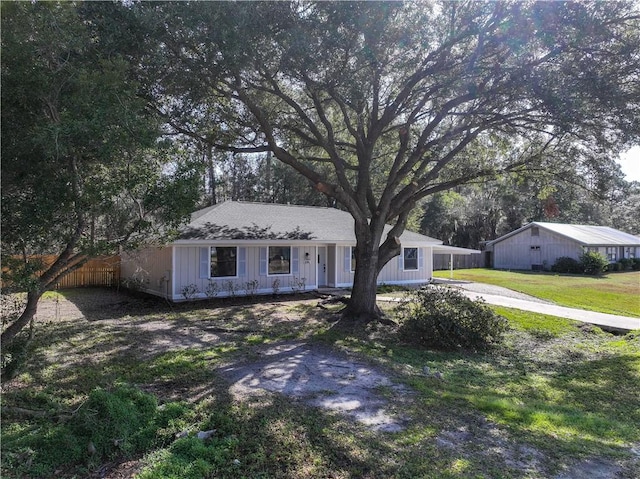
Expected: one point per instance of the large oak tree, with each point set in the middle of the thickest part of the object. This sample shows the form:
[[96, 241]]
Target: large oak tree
[[380, 104]]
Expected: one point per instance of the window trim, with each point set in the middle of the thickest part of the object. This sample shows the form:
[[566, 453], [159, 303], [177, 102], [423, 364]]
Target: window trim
[[404, 259], [237, 256], [290, 273]]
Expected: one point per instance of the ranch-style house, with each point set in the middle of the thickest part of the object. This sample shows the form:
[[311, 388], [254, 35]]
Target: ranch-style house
[[241, 248]]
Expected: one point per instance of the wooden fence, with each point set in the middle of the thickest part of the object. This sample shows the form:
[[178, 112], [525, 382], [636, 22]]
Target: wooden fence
[[102, 271], [460, 261], [95, 272]]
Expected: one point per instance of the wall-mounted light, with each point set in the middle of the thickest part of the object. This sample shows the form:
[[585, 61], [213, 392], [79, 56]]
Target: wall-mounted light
[[306, 256]]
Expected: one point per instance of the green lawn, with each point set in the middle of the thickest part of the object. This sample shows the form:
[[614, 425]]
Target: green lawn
[[614, 293]]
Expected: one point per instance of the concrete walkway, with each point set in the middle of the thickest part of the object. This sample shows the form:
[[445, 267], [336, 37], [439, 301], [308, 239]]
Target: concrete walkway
[[499, 296], [605, 321]]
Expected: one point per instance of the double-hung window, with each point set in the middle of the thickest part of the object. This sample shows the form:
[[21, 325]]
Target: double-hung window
[[279, 259], [224, 261], [410, 259]]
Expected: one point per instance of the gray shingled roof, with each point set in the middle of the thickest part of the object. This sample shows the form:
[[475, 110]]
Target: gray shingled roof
[[233, 220], [586, 235]]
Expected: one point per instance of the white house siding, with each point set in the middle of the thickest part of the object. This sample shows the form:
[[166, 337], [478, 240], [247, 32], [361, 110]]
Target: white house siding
[[149, 269], [392, 273], [517, 251], [187, 267], [332, 265]]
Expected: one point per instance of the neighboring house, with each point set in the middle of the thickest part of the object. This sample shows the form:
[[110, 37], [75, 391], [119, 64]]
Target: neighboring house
[[236, 248], [537, 246]]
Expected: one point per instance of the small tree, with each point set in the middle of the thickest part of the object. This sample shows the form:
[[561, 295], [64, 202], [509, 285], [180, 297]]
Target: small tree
[[593, 263]]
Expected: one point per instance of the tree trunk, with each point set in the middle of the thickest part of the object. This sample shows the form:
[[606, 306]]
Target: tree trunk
[[362, 306], [9, 334], [212, 176]]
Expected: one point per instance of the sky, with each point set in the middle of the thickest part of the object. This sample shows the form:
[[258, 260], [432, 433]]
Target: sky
[[630, 164]]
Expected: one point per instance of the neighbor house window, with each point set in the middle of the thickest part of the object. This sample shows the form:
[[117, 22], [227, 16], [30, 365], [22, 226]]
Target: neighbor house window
[[410, 258], [279, 259], [612, 254], [224, 261], [630, 253], [535, 231]]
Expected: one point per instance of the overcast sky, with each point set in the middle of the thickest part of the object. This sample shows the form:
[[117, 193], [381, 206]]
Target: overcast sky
[[630, 163]]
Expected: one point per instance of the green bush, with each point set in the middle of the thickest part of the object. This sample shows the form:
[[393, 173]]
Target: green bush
[[565, 264], [626, 264], [593, 263], [446, 319], [635, 264]]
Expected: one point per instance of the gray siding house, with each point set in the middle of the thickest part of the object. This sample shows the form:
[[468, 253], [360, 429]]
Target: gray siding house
[[237, 248], [536, 246]]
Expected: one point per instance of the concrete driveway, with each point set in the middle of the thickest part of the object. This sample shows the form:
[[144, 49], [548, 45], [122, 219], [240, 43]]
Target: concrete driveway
[[499, 296]]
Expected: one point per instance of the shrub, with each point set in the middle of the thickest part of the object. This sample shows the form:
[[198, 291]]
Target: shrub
[[593, 263], [445, 318], [189, 291], [566, 264], [635, 264], [212, 289], [625, 264]]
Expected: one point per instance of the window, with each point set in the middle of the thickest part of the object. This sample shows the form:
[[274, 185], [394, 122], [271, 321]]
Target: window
[[612, 255], [410, 258], [279, 259], [630, 253], [224, 261], [535, 231]]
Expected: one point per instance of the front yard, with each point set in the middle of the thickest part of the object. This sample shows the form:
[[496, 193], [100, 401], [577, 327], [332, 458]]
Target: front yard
[[556, 400], [613, 293]]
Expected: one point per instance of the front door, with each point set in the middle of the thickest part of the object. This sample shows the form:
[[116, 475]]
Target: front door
[[322, 266]]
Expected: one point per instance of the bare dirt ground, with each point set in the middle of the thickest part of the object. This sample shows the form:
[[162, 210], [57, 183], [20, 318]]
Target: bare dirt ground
[[317, 376], [308, 372]]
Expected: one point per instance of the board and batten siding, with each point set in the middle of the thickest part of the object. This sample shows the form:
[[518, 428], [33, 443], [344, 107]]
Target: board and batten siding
[[188, 264], [148, 269], [392, 273], [519, 251]]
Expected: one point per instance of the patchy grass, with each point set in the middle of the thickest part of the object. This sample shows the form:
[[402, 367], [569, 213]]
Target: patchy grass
[[554, 394], [613, 293]]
